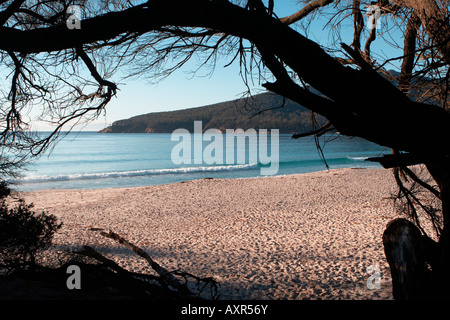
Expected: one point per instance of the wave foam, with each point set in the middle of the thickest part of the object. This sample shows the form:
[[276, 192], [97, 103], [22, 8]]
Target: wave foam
[[136, 173], [357, 158]]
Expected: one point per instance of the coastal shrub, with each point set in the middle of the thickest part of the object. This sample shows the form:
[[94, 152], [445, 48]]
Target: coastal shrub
[[23, 233]]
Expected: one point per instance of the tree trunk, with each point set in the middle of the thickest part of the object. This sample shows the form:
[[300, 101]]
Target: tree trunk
[[420, 267], [441, 270], [434, 21], [404, 249]]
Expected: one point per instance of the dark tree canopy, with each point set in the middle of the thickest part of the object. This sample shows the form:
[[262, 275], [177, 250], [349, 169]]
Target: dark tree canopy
[[66, 73]]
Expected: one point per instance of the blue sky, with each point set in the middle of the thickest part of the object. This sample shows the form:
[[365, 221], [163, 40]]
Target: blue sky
[[181, 90]]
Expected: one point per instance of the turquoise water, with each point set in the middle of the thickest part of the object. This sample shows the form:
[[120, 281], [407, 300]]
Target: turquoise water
[[89, 160]]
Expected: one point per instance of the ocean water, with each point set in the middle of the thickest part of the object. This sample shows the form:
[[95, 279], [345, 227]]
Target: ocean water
[[90, 160]]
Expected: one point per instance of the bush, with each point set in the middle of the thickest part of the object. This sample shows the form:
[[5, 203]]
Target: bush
[[23, 233]]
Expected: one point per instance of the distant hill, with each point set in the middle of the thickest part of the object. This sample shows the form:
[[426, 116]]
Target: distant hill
[[240, 113], [236, 114]]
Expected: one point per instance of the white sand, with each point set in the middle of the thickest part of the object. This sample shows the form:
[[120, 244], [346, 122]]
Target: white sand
[[306, 236]]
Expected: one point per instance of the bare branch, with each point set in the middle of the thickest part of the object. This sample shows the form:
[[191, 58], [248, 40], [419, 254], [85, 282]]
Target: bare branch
[[421, 182], [358, 24], [111, 86], [12, 8], [370, 39], [310, 7], [318, 132], [409, 50], [435, 22], [269, 109], [165, 275]]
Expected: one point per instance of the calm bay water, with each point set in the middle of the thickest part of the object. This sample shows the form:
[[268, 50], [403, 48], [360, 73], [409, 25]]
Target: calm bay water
[[90, 160]]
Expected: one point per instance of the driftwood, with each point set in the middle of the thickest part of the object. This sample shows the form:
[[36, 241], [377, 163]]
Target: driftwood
[[105, 280], [92, 253], [166, 276], [166, 279], [405, 251]]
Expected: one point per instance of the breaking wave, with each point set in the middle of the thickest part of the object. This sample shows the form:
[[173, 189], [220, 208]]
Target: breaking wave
[[135, 173]]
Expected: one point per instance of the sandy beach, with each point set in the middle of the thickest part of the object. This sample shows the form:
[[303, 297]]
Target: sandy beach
[[304, 236]]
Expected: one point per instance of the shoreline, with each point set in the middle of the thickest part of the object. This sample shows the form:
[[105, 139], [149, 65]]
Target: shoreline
[[19, 192], [301, 236]]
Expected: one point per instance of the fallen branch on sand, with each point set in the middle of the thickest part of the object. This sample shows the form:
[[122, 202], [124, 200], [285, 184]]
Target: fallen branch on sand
[[166, 278]]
